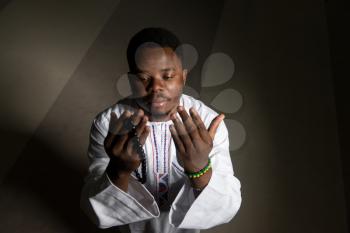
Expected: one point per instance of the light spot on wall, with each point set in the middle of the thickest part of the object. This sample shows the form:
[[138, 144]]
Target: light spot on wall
[[217, 69], [189, 56], [123, 86], [237, 134], [228, 100]]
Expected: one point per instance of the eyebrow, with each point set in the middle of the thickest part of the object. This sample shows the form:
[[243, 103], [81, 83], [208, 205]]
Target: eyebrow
[[168, 69], [162, 70]]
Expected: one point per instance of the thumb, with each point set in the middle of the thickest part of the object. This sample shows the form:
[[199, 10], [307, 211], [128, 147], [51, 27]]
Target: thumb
[[215, 124]]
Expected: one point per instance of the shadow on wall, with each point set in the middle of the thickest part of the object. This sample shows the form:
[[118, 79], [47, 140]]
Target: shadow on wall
[[42, 192]]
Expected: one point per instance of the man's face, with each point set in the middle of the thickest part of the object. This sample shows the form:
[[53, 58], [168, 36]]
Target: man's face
[[158, 83]]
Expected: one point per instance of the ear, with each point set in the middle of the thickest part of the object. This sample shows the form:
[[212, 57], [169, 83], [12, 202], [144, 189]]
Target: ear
[[184, 75]]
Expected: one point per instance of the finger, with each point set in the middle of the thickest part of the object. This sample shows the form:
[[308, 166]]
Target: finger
[[178, 143], [144, 135], [131, 147], [134, 120], [181, 132], [190, 127], [118, 144], [203, 132], [136, 143], [137, 117], [141, 126], [115, 126], [215, 124]]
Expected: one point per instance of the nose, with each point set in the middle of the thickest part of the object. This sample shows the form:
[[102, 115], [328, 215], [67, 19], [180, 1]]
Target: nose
[[156, 85]]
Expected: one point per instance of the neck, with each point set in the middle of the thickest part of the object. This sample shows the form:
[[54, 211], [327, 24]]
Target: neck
[[158, 118]]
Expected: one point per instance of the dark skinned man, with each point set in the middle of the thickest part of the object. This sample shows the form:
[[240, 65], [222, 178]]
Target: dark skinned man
[[160, 159]]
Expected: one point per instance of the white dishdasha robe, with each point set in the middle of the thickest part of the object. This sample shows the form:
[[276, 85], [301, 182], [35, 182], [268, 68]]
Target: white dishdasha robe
[[166, 203]]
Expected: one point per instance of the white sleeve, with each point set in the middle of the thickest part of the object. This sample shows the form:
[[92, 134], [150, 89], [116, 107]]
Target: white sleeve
[[104, 203], [219, 201]]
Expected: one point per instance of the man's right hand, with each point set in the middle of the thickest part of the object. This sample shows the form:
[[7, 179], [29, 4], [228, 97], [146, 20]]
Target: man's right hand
[[119, 145]]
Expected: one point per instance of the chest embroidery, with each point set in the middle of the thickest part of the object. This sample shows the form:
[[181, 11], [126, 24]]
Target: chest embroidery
[[161, 139]]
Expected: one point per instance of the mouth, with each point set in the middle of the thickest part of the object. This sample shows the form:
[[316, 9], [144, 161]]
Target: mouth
[[157, 101], [158, 104], [154, 103]]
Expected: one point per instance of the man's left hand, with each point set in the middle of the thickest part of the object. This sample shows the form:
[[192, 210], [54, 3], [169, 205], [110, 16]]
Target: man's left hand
[[193, 141]]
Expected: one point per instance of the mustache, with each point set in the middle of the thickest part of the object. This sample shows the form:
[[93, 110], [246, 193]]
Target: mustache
[[156, 96]]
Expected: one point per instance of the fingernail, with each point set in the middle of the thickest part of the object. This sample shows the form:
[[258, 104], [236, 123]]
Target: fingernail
[[180, 108]]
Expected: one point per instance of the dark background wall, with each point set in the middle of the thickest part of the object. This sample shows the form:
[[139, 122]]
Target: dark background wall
[[338, 23], [60, 62]]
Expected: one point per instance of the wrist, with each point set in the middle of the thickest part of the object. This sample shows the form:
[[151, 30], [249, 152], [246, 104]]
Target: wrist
[[117, 177], [195, 173], [114, 172], [201, 182], [200, 179]]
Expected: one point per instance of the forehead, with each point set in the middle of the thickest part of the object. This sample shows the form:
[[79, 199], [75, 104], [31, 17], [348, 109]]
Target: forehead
[[155, 59]]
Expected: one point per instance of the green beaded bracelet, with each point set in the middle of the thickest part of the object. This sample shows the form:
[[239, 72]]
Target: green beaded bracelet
[[193, 175]]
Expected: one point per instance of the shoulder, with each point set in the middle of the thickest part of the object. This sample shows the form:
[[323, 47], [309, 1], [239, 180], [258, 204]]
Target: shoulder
[[206, 113]]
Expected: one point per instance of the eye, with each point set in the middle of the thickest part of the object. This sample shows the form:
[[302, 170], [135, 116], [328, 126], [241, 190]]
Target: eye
[[167, 77], [143, 78]]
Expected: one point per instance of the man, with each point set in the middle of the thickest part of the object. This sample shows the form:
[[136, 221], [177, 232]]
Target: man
[[159, 159]]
